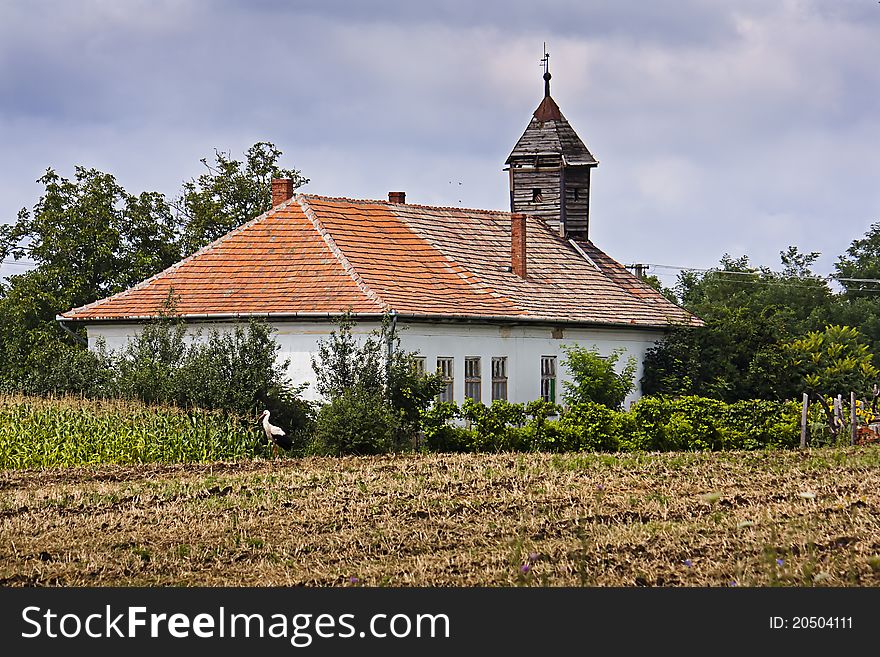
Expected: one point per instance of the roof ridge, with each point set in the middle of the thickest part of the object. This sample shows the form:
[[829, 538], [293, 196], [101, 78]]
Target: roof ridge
[[337, 252], [208, 247], [411, 205]]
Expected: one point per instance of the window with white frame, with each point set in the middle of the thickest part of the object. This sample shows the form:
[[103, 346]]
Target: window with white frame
[[444, 369], [548, 379], [419, 365], [472, 380], [499, 377]]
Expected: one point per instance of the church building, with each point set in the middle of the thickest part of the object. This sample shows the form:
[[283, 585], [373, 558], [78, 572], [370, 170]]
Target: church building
[[488, 298]]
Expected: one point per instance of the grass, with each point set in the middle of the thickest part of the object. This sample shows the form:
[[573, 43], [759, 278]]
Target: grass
[[780, 518]]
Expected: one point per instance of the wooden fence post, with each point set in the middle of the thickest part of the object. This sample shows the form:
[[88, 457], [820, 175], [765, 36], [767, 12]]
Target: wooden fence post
[[852, 419], [804, 420]]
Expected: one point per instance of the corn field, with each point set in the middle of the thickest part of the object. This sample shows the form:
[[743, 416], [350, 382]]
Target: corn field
[[46, 433]]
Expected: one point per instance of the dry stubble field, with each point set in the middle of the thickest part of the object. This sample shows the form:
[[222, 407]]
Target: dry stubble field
[[795, 518]]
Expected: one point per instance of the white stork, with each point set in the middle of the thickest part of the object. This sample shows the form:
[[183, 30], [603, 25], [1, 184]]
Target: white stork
[[275, 435]]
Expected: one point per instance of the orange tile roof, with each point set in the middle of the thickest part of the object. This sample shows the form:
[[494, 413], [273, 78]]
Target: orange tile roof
[[315, 255]]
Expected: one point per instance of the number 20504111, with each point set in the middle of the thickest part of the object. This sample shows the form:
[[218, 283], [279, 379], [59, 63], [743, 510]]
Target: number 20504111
[[811, 623]]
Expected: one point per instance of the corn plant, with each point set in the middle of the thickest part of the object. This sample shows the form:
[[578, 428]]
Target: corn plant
[[43, 433]]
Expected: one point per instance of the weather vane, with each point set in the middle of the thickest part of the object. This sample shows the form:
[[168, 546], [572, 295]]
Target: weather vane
[[545, 62]]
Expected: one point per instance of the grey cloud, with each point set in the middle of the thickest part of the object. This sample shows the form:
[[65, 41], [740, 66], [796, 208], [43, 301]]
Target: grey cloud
[[718, 126]]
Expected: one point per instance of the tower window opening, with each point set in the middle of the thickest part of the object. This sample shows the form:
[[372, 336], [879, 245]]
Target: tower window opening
[[536, 195]]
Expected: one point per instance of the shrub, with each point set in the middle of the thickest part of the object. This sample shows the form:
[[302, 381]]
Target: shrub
[[441, 434], [64, 369], [589, 426], [357, 421], [757, 423], [236, 371], [653, 423], [376, 364], [496, 428], [148, 367], [595, 378], [686, 423], [543, 433]]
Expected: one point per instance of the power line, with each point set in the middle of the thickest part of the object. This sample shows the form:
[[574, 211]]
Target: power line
[[753, 274]]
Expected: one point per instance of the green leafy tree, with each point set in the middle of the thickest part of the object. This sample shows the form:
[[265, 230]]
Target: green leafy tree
[[230, 193], [860, 265], [859, 305], [657, 284], [88, 238], [749, 313], [595, 377], [831, 362]]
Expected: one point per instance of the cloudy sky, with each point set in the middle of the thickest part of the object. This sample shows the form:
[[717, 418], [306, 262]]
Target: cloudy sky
[[738, 126]]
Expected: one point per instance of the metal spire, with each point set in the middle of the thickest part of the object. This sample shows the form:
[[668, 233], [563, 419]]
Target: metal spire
[[545, 61]]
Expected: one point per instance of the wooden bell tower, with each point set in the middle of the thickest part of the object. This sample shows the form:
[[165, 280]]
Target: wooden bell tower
[[550, 169]]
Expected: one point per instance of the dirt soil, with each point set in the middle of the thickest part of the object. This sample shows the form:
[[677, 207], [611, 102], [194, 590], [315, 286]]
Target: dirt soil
[[795, 518]]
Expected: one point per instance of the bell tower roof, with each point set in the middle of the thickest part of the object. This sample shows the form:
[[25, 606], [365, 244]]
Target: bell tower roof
[[550, 167], [549, 133]]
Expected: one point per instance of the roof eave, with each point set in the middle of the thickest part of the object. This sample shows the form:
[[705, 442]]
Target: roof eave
[[401, 316]]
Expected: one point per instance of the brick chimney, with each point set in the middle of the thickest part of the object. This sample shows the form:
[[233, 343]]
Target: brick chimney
[[397, 197], [518, 244], [282, 190]]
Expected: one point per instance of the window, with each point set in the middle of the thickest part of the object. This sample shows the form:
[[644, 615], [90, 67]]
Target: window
[[548, 379], [419, 366], [444, 369], [472, 380], [536, 195], [499, 378]]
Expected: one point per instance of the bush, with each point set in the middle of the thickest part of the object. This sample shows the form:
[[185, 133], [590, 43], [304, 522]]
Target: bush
[[591, 427], [235, 371], [64, 369], [543, 433], [595, 378], [357, 421], [757, 424], [377, 365], [148, 368], [686, 423], [652, 424], [496, 428], [441, 434]]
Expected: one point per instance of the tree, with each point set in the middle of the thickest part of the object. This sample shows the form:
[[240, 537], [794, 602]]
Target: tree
[[229, 194], [749, 313], [861, 261], [89, 238], [596, 378], [859, 305], [657, 284], [831, 362]]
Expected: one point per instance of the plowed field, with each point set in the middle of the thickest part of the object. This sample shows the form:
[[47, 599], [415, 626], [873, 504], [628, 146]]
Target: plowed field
[[795, 518]]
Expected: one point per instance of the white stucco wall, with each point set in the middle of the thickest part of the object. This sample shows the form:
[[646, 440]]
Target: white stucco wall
[[523, 345]]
